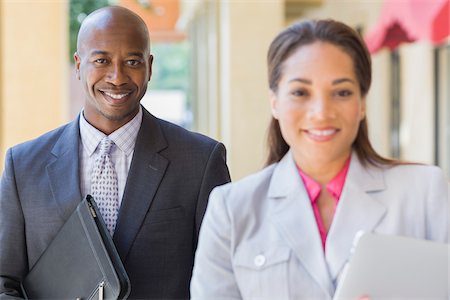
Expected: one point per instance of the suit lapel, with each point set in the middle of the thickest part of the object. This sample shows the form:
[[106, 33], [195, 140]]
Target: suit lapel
[[295, 221], [146, 172], [356, 211], [63, 170]]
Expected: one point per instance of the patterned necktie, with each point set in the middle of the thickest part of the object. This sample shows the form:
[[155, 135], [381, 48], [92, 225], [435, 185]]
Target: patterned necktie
[[104, 185]]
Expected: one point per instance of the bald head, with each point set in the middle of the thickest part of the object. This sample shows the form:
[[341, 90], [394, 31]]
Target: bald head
[[112, 19], [114, 65]]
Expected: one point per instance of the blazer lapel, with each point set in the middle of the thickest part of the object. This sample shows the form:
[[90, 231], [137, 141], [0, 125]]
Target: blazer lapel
[[146, 172], [356, 211], [63, 170], [295, 221]]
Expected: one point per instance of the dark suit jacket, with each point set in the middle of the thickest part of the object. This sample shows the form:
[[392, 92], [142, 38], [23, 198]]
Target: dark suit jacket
[[170, 178]]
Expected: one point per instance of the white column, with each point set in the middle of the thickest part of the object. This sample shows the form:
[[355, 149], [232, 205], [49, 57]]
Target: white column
[[245, 32], [417, 103], [33, 69]]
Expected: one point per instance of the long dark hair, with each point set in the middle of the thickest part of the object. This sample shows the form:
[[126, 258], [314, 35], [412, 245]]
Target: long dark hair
[[342, 36]]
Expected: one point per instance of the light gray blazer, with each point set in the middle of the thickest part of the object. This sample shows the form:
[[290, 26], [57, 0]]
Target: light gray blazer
[[259, 238]]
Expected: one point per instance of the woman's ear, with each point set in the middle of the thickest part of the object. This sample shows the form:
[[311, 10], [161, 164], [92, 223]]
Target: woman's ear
[[363, 108], [273, 103]]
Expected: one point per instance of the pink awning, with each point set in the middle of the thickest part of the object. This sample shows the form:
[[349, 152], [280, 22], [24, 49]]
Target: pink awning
[[408, 21]]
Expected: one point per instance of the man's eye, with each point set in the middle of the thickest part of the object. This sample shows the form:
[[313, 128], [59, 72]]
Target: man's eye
[[133, 62], [100, 61]]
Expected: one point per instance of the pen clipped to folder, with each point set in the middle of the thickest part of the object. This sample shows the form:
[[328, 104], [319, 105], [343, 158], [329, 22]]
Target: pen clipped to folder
[[80, 263]]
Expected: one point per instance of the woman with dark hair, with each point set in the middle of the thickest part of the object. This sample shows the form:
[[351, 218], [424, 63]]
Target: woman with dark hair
[[286, 232]]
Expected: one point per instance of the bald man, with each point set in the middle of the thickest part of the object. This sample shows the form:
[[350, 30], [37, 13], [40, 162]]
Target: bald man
[[164, 173]]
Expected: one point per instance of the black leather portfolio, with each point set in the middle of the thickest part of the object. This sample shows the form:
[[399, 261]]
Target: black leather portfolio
[[80, 263]]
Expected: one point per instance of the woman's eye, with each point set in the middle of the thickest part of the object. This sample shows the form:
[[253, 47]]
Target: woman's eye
[[344, 93], [299, 93]]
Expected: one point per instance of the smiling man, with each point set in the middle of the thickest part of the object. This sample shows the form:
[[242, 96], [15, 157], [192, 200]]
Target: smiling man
[[113, 62], [161, 174]]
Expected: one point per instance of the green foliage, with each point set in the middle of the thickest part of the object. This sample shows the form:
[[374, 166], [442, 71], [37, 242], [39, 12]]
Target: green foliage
[[171, 67], [78, 10]]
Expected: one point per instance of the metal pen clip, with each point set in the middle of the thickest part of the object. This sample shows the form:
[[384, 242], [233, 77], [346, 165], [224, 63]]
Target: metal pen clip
[[100, 290]]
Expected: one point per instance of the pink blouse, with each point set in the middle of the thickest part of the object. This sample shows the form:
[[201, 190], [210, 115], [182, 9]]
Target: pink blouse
[[334, 187]]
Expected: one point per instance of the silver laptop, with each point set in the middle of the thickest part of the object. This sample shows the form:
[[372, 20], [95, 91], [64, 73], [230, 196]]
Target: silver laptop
[[394, 267]]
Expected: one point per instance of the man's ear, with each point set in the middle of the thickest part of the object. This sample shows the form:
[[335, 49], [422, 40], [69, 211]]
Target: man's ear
[[77, 59], [273, 103], [150, 66]]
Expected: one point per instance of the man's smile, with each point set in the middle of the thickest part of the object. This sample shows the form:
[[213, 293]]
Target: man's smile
[[116, 96]]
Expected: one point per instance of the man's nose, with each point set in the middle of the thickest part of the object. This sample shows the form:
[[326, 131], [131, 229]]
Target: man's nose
[[116, 75]]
